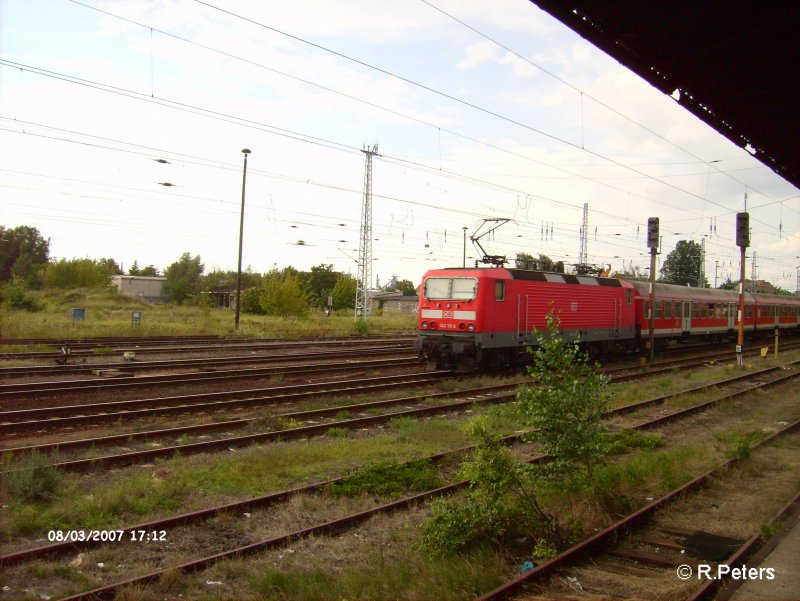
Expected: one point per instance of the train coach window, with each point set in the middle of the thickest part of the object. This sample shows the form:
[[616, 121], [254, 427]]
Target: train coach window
[[695, 310], [500, 290], [657, 309], [668, 310], [464, 288], [451, 288]]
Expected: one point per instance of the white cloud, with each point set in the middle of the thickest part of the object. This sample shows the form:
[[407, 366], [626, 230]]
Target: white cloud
[[478, 54]]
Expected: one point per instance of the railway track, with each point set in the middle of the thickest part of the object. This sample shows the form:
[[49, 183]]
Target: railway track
[[502, 393], [16, 422], [20, 420], [58, 388], [598, 545], [93, 349], [204, 363], [511, 588]]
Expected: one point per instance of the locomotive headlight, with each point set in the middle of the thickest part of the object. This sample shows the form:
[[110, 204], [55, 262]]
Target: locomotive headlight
[[471, 327], [432, 325], [424, 325]]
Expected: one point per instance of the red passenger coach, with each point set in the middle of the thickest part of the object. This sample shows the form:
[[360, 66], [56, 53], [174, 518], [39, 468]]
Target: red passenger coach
[[711, 314], [485, 317]]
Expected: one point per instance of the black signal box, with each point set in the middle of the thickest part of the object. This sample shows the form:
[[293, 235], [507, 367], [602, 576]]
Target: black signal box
[[652, 232], [742, 230]]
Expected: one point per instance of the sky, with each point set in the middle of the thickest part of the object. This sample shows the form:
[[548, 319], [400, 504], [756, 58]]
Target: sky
[[476, 114]]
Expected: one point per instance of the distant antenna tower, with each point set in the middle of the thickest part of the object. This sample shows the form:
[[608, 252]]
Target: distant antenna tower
[[583, 256], [364, 280]]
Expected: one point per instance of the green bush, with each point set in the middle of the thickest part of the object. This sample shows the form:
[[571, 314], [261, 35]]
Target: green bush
[[14, 295], [388, 480], [31, 477]]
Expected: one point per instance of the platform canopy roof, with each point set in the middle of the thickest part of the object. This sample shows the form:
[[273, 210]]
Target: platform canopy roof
[[734, 65]]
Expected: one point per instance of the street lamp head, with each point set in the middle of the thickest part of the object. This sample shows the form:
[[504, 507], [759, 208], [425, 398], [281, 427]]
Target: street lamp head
[[245, 150]]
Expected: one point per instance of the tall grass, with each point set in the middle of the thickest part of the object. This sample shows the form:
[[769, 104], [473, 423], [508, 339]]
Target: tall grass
[[411, 576], [109, 314]]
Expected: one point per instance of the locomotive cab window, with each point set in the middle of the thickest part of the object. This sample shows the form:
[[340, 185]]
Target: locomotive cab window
[[451, 288], [628, 296], [500, 290]]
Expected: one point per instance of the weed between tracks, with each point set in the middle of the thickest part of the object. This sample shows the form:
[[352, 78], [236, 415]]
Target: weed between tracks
[[119, 497]]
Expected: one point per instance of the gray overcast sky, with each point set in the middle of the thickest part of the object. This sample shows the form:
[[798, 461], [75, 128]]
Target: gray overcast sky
[[91, 93]]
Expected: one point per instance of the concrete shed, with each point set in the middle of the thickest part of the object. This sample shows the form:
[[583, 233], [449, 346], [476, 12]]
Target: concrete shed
[[148, 288]]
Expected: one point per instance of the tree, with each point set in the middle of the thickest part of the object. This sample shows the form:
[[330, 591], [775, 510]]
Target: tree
[[566, 404], [406, 287], [633, 272], [543, 263], [149, 271], [251, 301], [134, 269], [344, 292], [683, 265], [23, 253], [183, 278], [282, 294], [319, 283], [112, 266], [79, 273]]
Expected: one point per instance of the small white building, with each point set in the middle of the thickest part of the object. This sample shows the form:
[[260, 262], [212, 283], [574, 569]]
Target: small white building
[[393, 302], [147, 288]]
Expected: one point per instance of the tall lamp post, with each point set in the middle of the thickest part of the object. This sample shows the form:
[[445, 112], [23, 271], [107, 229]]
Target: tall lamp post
[[245, 152]]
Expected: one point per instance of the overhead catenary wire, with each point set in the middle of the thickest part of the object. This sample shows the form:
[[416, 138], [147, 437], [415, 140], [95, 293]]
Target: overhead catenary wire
[[455, 176], [438, 127]]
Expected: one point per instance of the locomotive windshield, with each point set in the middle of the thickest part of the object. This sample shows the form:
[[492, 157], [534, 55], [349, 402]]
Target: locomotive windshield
[[451, 288]]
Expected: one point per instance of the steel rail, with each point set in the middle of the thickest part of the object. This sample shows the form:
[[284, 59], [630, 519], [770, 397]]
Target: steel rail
[[304, 431], [638, 372], [610, 534], [278, 343], [275, 435], [64, 416], [72, 386], [747, 552], [599, 540], [57, 548], [239, 423], [204, 362]]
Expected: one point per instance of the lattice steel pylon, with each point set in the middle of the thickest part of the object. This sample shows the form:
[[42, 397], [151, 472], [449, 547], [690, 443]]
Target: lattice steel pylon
[[365, 244], [583, 256]]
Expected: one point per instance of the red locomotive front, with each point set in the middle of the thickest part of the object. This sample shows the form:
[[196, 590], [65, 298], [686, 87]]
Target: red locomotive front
[[488, 317]]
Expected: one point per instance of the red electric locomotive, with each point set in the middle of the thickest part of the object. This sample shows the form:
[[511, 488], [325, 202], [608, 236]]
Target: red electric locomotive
[[485, 317]]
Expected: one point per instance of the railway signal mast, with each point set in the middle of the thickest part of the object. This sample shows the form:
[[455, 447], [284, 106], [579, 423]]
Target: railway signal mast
[[652, 244], [742, 241]]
